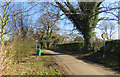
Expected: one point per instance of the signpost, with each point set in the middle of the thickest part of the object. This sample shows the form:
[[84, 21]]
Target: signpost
[[36, 37], [104, 36]]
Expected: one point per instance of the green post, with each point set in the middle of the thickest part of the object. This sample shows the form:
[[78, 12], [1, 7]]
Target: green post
[[39, 52]]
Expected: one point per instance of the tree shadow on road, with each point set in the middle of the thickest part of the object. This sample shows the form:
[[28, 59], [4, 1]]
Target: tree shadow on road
[[82, 58], [47, 54]]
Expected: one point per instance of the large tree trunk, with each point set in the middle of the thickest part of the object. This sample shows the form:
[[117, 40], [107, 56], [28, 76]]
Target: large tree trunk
[[87, 40], [48, 44]]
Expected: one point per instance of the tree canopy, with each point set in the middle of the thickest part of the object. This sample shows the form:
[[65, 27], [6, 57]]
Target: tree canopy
[[84, 16]]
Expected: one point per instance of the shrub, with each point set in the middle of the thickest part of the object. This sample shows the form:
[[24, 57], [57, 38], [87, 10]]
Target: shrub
[[79, 46], [97, 45], [75, 46], [6, 54], [112, 54], [23, 48]]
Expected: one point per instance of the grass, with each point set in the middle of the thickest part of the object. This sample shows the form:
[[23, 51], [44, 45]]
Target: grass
[[29, 66], [24, 61]]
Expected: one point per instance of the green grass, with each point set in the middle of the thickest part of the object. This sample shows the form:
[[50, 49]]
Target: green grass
[[23, 49], [24, 61], [29, 66]]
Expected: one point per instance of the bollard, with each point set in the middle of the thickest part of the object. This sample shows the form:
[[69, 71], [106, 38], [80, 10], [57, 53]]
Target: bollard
[[39, 52]]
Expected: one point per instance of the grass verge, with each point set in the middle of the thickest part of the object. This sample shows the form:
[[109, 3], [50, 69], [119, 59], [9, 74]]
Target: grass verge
[[44, 65], [24, 62]]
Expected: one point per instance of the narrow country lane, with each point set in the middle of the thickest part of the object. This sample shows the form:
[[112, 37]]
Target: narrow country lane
[[78, 67]]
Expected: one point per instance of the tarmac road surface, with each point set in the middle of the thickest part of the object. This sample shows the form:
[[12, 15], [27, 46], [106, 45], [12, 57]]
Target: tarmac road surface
[[75, 66]]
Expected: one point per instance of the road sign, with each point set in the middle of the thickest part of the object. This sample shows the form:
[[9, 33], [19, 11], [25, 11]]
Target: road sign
[[104, 36], [36, 36]]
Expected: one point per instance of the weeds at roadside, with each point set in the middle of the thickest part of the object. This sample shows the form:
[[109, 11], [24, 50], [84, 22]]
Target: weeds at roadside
[[43, 66]]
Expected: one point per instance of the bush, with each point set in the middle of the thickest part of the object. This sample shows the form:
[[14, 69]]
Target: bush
[[75, 46], [112, 51], [23, 48], [78, 46], [97, 45], [112, 54], [6, 54]]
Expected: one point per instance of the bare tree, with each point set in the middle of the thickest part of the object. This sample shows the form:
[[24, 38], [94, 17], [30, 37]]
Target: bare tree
[[46, 26], [108, 27], [9, 11]]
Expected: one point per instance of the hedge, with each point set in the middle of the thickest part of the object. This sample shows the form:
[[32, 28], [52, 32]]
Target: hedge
[[75, 46], [112, 54]]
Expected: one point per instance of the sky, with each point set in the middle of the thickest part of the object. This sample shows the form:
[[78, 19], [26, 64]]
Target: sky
[[115, 36], [66, 27], [58, 0]]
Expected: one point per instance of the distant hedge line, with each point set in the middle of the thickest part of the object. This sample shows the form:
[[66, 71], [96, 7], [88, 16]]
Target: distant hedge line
[[75, 46]]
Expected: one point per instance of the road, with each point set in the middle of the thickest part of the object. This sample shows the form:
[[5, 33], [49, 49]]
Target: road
[[74, 66]]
